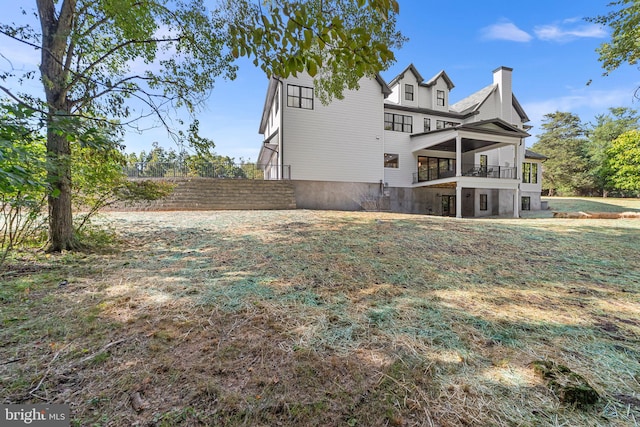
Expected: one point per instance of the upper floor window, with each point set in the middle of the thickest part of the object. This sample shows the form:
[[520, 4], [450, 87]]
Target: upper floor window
[[483, 161], [440, 98], [398, 122], [408, 92], [530, 173], [441, 124], [391, 160], [300, 97], [427, 124]]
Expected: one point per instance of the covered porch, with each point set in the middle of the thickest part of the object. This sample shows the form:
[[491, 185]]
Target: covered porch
[[471, 158]]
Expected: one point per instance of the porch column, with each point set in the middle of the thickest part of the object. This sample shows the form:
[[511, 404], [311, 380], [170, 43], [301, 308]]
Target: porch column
[[458, 156], [458, 201], [516, 203]]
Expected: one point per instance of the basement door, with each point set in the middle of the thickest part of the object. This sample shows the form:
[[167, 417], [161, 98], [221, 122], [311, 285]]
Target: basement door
[[448, 205]]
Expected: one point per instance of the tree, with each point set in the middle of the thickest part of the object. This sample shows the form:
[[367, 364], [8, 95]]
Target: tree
[[624, 46], [89, 50], [607, 128], [23, 186], [566, 172], [624, 162]]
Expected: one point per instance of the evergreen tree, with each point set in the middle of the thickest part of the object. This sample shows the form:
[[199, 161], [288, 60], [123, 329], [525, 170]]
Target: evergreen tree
[[566, 172]]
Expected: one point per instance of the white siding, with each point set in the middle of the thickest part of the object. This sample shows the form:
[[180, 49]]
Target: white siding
[[427, 97], [399, 143], [341, 141], [440, 85]]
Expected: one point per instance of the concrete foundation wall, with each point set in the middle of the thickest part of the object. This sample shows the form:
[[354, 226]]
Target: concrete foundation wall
[[535, 199], [343, 196]]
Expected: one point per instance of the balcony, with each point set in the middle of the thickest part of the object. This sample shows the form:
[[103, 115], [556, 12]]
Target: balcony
[[480, 171]]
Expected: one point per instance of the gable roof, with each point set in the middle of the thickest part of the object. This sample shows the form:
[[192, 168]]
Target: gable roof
[[474, 101], [435, 78], [528, 154], [400, 76], [411, 68], [493, 125]]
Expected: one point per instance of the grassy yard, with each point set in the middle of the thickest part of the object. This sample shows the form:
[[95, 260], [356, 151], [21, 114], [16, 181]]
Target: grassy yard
[[592, 204], [301, 318]]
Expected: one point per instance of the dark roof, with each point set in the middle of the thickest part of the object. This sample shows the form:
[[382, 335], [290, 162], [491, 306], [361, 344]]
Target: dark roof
[[528, 154], [435, 78], [411, 68], [449, 114]]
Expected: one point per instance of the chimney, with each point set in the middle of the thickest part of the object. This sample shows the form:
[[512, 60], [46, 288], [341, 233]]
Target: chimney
[[502, 78]]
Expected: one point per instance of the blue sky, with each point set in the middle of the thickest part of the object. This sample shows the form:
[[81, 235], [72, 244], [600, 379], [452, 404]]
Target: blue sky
[[547, 43]]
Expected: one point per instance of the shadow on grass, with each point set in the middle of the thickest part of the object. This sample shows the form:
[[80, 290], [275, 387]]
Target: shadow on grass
[[358, 322]]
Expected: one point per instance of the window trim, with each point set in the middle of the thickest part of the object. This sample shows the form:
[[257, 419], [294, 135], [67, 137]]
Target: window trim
[[529, 173], [483, 202], [391, 159], [427, 124], [299, 97], [408, 92], [398, 122]]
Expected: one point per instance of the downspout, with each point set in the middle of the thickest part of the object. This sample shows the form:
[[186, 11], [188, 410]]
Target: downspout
[[280, 149]]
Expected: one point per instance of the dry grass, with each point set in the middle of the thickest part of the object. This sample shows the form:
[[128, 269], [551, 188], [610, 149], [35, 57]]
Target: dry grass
[[328, 318]]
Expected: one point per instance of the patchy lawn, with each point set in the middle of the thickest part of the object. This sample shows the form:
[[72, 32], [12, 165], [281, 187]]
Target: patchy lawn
[[330, 318], [593, 204]]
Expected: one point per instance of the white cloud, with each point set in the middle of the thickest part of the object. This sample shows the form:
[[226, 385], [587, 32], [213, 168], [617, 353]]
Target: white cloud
[[564, 33], [586, 103], [505, 31]]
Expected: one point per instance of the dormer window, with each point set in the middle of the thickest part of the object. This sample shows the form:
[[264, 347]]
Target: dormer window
[[440, 98], [408, 92]]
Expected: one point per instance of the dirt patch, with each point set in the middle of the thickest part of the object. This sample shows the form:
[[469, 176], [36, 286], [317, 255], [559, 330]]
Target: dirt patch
[[597, 215]]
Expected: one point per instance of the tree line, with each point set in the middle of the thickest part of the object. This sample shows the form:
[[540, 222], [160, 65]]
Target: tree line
[[165, 163], [591, 159]]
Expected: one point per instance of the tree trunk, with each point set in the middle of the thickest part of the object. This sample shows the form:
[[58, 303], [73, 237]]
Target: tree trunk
[[54, 71], [61, 233]]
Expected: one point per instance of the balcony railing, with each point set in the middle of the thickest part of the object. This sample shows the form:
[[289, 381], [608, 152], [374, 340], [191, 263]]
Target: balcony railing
[[480, 171], [206, 170]]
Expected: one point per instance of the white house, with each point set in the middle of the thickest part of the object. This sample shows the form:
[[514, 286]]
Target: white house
[[402, 146]]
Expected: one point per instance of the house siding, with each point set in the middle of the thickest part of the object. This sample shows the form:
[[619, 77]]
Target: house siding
[[341, 141], [336, 151]]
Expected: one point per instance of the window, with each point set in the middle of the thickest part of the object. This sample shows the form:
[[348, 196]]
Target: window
[[440, 98], [398, 122], [408, 92], [450, 124], [534, 173], [391, 160], [483, 202], [430, 168], [530, 173], [526, 203], [483, 161], [427, 125], [439, 124], [300, 97]]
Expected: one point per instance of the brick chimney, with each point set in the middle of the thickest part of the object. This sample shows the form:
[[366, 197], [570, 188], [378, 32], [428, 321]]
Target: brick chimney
[[502, 78]]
